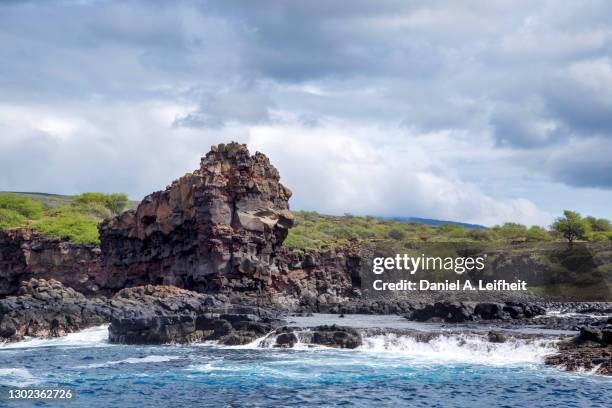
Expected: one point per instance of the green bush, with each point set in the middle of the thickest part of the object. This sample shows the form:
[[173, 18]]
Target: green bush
[[481, 235], [115, 202], [79, 228], [599, 237], [397, 234], [537, 234], [10, 219], [24, 206], [598, 224], [511, 231]]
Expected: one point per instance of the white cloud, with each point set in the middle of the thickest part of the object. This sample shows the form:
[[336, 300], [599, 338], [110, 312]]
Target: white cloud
[[339, 168]]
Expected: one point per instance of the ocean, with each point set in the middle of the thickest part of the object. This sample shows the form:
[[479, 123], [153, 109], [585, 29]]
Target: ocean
[[454, 370]]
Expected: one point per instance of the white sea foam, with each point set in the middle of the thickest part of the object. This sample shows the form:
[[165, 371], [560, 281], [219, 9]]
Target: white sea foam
[[133, 360], [462, 348], [92, 337], [559, 314], [444, 347], [17, 377]]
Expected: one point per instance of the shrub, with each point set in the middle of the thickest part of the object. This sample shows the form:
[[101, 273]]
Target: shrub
[[396, 234], [79, 228], [481, 235], [115, 202], [598, 224], [24, 206], [536, 234], [10, 219], [511, 231], [599, 237]]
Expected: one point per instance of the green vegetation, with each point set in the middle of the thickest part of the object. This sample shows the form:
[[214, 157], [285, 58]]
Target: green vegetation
[[75, 218], [537, 234], [314, 231], [115, 203], [572, 226], [21, 205]]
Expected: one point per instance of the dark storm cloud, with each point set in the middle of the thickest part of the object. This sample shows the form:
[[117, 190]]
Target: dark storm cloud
[[584, 166]]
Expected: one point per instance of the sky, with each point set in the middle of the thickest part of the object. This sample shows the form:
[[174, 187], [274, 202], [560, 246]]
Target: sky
[[475, 111]]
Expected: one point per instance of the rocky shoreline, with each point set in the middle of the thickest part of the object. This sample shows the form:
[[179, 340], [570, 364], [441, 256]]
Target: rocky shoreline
[[203, 260]]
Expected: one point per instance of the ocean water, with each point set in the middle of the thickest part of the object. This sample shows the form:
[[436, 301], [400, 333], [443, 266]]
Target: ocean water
[[456, 369]]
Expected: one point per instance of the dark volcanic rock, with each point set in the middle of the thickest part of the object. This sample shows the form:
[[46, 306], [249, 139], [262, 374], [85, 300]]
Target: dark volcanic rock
[[330, 336], [490, 311], [286, 340], [590, 351], [48, 309], [167, 314], [141, 315], [496, 337], [588, 333], [336, 336], [216, 229], [25, 254], [458, 312]]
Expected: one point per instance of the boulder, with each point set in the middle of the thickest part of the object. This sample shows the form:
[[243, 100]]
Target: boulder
[[588, 333], [286, 340], [490, 311], [496, 337], [336, 336]]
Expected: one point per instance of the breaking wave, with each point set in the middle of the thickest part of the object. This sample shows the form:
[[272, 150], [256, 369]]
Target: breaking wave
[[462, 348], [468, 348], [91, 337]]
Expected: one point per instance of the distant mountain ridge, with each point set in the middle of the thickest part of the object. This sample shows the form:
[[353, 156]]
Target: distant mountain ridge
[[430, 221]]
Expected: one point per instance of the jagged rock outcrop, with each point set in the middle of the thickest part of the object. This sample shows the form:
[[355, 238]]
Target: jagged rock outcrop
[[218, 229], [591, 350], [167, 314], [324, 335], [49, 309], [150, 314], [458, 312], [25, 254]]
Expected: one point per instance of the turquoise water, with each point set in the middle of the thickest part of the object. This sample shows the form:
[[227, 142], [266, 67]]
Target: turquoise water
[[387, 371]]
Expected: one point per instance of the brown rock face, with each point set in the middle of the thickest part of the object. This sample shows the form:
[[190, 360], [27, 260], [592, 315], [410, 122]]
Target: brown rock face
[[216, 229], [24, 254]]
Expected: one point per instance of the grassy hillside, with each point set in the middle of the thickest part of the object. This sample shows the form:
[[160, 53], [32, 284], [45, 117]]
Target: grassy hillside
[[315, 231], [72, 217], [58, 200], [77, 217]]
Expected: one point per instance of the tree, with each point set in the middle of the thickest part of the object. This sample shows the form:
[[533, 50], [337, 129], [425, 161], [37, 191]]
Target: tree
[[572, 226], [598, 224], [116, 202]]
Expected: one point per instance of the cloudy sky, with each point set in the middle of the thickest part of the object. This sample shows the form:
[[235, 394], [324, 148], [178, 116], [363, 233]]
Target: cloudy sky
[[477, 111]]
